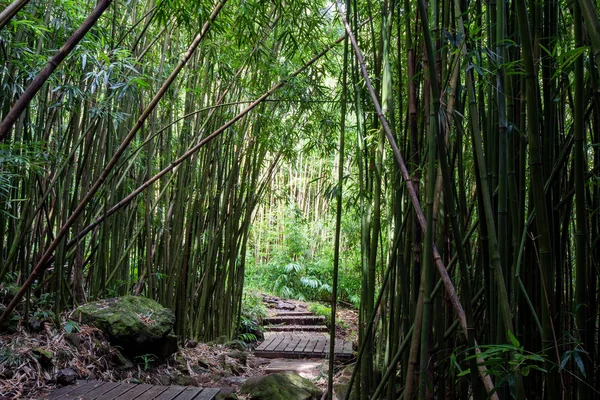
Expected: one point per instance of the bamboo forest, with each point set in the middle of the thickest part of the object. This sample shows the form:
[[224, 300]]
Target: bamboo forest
[[432, 165]]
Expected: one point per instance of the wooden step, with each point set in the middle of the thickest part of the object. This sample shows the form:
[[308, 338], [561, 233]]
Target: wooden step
[[292, 314], [295, 320], [292, 345], [296, 366], [129, 391], [290, 328]]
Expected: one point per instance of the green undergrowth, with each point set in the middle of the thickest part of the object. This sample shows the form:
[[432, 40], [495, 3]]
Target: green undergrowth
[[252, 315], [321, 310]]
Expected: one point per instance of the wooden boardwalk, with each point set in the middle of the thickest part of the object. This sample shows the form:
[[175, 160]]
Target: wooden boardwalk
[[301, 345], [295, 332], [96, 390]]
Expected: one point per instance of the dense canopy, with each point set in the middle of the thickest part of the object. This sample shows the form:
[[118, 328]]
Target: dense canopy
[[435, 164]]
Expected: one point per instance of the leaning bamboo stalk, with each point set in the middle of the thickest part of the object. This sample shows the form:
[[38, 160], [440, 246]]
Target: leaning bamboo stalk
[[125, 201], [449, 286], [10, 11], [37, 83], [42, 264]]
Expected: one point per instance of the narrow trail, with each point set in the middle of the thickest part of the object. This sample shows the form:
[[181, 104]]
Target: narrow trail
[[296, 339]]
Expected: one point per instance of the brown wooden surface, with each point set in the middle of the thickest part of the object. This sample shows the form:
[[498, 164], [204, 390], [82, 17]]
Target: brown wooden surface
[[95, 390], [294, 328], [301, 345], [295, 320]]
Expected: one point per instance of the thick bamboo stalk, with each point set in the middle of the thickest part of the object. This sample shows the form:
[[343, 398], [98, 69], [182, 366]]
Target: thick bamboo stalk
[[449, 286], [37, 83], [42, 263]]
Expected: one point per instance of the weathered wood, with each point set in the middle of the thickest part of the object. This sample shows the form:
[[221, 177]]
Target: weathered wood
[[207, 394], [117, 391], [296, 366], [292, 313], [189, 393], [295, 320], [152, 393], [171, 393], [99, 391], [301, 344], [295, 328], [81, 387], [96, 390], [136, 392]]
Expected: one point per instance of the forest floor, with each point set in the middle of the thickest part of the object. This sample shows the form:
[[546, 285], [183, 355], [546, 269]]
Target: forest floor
[[30, 362]]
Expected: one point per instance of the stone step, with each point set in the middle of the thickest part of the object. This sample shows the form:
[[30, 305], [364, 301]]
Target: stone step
[[295, 320], [291, 328]]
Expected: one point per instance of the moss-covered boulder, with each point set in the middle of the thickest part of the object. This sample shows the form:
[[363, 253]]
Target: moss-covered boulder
[[282, 386], [343, 383], [136, 324]]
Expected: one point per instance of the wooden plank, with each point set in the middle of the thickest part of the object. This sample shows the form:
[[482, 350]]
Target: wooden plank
[[293, 313], [291, 345], [153, 392], [135, 392], [171, 393], [283, 344], [297, 366], [117, 391], [100, 390], [276, 340], [81, 387], [321, 346], [275, 343], [208, 394], [188, 393], [266, 342], [301, 345], [296, 320]]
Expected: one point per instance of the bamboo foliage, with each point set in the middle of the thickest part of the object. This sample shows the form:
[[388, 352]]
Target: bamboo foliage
[[181, 159]]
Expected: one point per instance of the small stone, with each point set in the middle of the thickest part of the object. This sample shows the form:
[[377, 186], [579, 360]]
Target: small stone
[[120, 361], [181, 363], [44, 356], [241, 356], [183, 380], [35, 325], [73, 339], [164, 380], [191, 344], [66, 377]]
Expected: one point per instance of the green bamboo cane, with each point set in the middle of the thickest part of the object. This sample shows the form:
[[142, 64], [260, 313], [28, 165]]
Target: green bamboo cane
[[537, 185], [581, 251], [449, 286]]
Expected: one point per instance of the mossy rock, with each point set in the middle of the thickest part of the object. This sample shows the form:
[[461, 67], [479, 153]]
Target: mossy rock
[[44, 356], [137, 325], [282, 386]]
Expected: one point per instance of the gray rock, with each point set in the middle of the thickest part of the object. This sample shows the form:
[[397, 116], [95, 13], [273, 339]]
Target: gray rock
[[164, 380], [73, 339], [136, 324], [282, 386], [184, 380], [66, 376]]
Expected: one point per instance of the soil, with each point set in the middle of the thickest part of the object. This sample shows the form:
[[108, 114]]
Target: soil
[[30, 361]]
